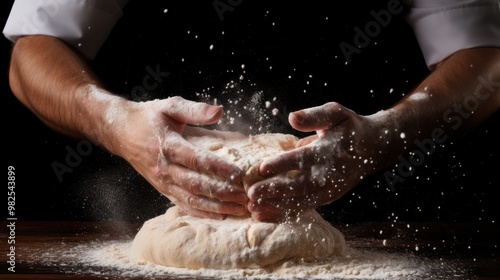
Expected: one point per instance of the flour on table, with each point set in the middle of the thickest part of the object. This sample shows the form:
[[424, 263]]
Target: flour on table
[[176, 240]]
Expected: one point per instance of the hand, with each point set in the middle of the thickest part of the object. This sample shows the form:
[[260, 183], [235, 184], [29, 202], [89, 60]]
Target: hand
[[151, 138], [330, 163]]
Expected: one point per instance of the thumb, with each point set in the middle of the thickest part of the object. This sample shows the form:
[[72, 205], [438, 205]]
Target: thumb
[[318, 118], [190, 112]]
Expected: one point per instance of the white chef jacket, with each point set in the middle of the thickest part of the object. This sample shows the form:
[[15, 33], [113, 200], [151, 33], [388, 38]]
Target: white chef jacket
[[84, 24], [441, 27]]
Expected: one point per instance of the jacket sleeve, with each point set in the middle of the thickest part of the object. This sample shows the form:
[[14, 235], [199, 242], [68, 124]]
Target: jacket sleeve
[[84, 24], [446, 26]]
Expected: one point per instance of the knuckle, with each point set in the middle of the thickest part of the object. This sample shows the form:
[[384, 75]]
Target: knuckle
[[192, 161], [169, 149], [333, 106], [173, 100], [192, 201], [193, 186]]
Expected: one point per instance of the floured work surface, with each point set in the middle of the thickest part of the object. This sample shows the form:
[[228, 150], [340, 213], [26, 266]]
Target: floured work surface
[[101, 250]]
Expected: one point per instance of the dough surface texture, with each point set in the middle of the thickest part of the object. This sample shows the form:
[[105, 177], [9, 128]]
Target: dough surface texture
[[178, 240]]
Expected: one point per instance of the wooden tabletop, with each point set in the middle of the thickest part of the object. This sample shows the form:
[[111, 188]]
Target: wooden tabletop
[[475, 248]]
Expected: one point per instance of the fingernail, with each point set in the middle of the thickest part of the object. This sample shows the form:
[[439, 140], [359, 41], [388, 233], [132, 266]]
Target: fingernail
[[213, 110], [299, 118]]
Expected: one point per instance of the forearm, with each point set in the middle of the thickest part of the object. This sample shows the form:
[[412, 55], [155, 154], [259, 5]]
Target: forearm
[[57, 85], [460, 94]]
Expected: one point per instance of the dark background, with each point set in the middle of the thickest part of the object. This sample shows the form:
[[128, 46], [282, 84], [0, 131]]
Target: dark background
[[274, 41]]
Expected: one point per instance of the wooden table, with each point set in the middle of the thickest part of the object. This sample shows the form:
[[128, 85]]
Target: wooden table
[[473, 247]]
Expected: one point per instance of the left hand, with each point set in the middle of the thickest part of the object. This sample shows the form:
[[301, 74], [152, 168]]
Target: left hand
[[330, 163]]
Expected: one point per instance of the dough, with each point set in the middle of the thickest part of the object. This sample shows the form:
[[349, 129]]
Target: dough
[[236, 242], [185, 241]]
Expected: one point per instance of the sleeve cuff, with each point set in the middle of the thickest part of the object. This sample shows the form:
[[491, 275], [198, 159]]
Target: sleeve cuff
[[84, 24], [442, 30]]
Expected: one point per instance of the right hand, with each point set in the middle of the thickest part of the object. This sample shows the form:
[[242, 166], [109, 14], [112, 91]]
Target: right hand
[[150, 136]]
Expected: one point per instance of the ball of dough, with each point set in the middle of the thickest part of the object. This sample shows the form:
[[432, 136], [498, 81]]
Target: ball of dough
[[188, 242]]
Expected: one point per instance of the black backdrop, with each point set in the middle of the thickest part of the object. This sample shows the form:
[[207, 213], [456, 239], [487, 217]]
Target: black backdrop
[[289, 51]]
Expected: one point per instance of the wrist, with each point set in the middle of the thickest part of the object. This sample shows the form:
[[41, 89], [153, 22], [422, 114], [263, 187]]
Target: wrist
[[388, 137], [106, 117]]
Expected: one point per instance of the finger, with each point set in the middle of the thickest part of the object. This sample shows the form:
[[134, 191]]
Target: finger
[[297, 186], [297, 159], [199, 184], [190, 112], [318, 118], [201, 214], [305, 141], [177, 150], [285, 208], [185, 209], [274, 217], [285, 187], [273, 211], [191, 202]]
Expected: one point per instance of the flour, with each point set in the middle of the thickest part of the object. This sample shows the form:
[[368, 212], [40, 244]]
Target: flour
[[113, 110], [113, 258], [246, 110]]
